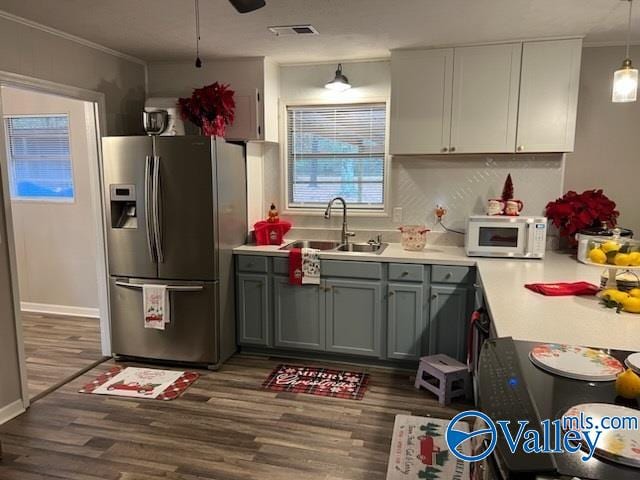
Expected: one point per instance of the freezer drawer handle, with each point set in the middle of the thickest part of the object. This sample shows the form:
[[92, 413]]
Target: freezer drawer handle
[[171, 288]]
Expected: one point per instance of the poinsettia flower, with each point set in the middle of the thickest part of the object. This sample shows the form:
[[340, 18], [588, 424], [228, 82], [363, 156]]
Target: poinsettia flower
[[211, 107]]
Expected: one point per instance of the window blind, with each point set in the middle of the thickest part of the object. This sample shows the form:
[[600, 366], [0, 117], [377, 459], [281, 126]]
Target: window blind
[[39, 157], [336, 150]]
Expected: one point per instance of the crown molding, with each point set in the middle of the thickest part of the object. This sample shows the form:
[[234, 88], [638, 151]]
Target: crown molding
[[613, 43], [70, 37]]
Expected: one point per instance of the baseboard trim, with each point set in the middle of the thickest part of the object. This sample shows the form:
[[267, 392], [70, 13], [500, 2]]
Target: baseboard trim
[[50, 309], [11, 411]]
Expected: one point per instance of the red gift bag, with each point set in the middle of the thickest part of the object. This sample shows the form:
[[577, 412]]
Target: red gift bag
[[271, 233]]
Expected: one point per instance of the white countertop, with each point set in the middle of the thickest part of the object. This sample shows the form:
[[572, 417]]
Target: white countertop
[[516, 311]]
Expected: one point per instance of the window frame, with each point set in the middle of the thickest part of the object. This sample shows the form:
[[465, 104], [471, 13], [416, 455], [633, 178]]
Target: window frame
[[284, 163], [10, 180]]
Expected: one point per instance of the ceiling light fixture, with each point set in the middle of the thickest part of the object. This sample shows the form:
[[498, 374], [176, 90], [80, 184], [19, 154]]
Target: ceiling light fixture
[[198, 61], [340, 83], [625, 79]]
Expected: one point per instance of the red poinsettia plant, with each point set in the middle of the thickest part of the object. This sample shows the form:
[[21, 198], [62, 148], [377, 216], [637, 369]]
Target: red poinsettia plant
[[211, 108], [576, 211]]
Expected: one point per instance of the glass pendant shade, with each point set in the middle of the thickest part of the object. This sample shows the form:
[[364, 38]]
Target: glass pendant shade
[[625, 83], [340, 83]]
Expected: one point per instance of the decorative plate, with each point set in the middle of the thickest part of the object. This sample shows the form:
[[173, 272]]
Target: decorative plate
[[633, 362], [579, 363], [620, 446]]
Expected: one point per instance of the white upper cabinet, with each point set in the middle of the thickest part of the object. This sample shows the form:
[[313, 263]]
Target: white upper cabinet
[[421, 82], [485, 98], [548, 96]]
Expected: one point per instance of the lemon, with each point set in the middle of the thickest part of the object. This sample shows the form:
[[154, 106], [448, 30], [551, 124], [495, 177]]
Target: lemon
[[610, 246], [597, 256], [634, 259], [631, 304], [635, 292], [628, 384], [615, 295], [622, 259]]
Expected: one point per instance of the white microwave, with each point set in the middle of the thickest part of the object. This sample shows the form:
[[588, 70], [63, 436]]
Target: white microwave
[[504, 236]]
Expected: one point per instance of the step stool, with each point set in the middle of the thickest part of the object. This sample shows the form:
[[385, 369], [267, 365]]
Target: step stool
[[444, 376]]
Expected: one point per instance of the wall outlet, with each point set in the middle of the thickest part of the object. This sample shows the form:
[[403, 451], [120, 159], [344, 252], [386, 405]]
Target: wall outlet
[[397, 215]]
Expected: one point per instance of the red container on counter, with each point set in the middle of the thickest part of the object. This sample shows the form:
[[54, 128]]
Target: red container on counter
[[268, 233]]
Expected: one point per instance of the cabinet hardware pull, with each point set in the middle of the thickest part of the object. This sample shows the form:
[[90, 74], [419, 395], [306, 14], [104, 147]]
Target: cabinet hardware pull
[[452, 149], [391, 294], [445, 149], [520, 148], [448, 275], [404, 274]]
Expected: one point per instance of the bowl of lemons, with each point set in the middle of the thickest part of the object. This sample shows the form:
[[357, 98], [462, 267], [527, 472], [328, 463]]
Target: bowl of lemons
[[605, 251], [621, 300]]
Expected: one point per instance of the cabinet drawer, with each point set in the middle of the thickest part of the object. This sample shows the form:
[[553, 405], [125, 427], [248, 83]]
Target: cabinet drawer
[[350, 269], [406, 273], [252, 263], [451, 274], [281, 265]]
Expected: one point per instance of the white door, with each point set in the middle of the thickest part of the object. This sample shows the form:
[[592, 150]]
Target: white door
[[549, 96], [485, 98], [421, 82]]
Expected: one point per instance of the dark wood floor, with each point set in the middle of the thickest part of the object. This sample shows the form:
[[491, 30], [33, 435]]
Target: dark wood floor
[[57, 347], [224, 427]]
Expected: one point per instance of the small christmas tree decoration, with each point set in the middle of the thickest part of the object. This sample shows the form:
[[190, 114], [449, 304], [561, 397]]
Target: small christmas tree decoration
[[507, 190]]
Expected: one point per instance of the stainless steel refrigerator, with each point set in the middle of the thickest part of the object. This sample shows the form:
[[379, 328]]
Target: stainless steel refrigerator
[[175, 208]]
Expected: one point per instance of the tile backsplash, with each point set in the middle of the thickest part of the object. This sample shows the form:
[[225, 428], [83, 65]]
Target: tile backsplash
[[461, 183]]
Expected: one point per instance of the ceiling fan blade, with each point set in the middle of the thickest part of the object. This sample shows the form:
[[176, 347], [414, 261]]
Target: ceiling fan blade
[[246, 6]]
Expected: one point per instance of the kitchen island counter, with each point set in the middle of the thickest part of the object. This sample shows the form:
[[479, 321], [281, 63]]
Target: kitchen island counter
[[516, 311]]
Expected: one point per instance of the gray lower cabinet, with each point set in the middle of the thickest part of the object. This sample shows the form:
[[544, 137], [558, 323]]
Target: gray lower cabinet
[[353, 317], [448, 320], [253, 309], [406, 321], [298, 315]]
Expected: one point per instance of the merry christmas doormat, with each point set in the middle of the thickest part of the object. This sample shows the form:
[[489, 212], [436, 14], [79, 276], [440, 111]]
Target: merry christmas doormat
[[317, 381], [419, 450], [141, 383]]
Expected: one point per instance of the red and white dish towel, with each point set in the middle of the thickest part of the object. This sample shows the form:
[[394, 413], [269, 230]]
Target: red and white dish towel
[[156, 306], [304, 266]]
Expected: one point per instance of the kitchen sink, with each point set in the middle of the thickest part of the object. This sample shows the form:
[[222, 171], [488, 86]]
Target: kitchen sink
[[376, 248], [317, 244]]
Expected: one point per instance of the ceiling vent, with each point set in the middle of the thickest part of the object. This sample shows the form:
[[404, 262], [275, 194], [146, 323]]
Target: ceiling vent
[[293, 30]]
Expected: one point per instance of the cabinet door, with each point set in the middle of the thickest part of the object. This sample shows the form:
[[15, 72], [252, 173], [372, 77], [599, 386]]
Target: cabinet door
[[421, 82], [253, 309], [353, 317], [485, 98], [246, 124], [448, 320], [406, 321], [297, 315], [549, 96]]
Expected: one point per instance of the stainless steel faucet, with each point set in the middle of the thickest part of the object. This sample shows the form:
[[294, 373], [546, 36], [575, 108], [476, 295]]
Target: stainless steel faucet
[[327, 214]]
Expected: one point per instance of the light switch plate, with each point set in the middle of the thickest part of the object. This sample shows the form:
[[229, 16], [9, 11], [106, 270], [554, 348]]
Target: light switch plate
[[397, 214]]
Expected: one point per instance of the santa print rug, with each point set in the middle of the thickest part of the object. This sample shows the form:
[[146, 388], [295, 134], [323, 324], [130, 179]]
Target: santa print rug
[[317, 381], [141, 383], [419, 450]]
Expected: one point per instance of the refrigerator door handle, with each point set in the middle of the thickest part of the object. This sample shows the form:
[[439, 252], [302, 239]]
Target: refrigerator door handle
[[147, 209], [171, 288], [156, 209]]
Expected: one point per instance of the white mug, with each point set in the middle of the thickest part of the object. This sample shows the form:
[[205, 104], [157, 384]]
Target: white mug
[[513, 207], [495, 206]]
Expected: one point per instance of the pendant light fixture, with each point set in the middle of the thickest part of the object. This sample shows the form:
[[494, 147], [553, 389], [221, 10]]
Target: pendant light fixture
[[625, 80], [198, 61], [340, 83]]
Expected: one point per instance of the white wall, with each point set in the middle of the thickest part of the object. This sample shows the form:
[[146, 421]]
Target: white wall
[[607, 153], [56, 241], [461, 183], [29, 51]]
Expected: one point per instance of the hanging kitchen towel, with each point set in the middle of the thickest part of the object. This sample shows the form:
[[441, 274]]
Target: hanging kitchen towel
[[156, 306], [563, 288], [295, 266], [310, 266]]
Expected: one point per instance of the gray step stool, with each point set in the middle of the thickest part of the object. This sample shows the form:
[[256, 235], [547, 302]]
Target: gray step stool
[[444, 376]]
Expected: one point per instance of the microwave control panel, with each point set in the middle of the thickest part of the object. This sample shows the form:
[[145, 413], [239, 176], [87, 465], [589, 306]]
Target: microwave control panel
[[538, 236]]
